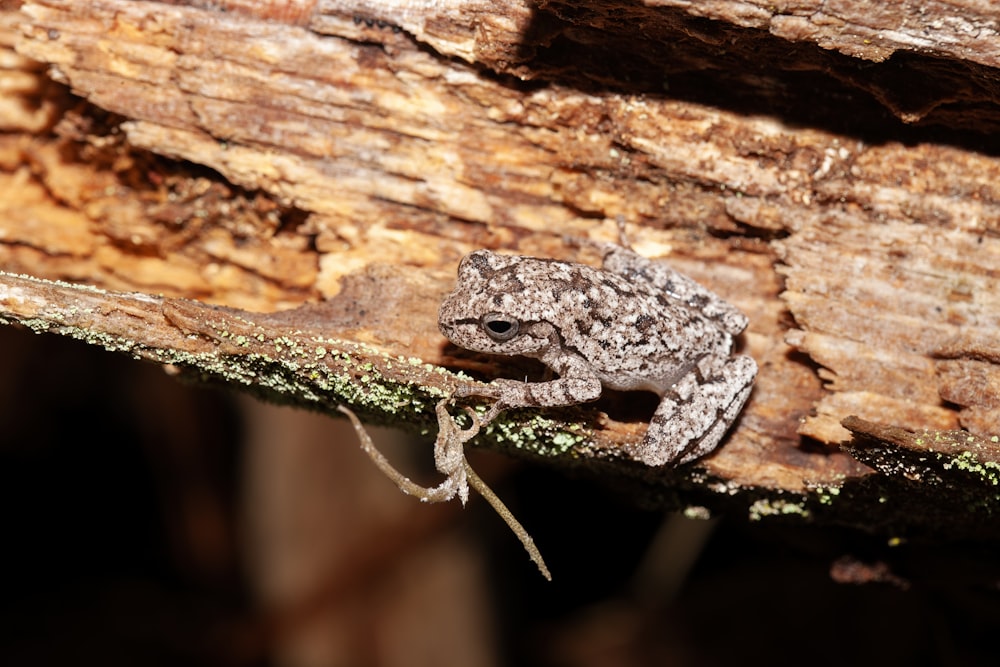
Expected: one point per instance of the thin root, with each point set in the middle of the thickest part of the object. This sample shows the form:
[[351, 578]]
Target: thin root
[[476, 482], [443, 492], [449, 457]]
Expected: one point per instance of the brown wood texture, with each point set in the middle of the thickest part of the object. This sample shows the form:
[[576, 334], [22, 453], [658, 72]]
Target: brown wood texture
[[830, 168]]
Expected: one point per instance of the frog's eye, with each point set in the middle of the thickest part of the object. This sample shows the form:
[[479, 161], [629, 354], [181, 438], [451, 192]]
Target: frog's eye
[[499, 327]]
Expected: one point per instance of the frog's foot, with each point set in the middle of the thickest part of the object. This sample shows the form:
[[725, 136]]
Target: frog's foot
[[493, 390], [692, 418]]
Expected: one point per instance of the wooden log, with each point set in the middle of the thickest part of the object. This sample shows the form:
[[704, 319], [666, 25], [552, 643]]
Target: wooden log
[[829, 169]]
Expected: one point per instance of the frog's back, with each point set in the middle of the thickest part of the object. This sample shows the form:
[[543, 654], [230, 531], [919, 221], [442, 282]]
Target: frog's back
[[631, 333]]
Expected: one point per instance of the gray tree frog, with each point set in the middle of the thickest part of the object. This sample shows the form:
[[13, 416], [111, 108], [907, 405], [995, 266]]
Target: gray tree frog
[[632, 325]]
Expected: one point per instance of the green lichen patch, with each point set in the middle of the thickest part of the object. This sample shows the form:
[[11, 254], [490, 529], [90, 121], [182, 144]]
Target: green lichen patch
[[770, 507], [534, 433]]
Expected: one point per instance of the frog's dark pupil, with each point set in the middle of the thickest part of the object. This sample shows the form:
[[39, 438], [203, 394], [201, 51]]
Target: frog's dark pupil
[[499, 327]]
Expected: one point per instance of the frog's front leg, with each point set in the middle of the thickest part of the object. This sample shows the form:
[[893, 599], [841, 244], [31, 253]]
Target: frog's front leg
[[554, 393], [694, 415], [576, 384]]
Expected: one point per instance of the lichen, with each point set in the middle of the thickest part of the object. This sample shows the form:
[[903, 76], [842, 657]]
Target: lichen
[[537, 434], [697, 512], [987, 471], [769, 507], [825, 494]]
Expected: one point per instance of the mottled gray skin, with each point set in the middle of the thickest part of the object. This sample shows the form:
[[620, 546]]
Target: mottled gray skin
[[632, 325]]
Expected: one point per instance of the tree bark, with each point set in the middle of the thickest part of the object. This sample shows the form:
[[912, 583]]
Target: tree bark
[[828, 168]]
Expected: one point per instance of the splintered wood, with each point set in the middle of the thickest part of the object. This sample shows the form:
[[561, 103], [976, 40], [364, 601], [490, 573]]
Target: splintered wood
[[877, 306]]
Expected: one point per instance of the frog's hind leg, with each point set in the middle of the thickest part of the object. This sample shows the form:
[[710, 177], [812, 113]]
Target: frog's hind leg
[[692, 418], [727, 415]]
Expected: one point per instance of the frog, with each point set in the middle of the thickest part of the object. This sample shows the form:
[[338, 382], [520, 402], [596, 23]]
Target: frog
[[633, 324]]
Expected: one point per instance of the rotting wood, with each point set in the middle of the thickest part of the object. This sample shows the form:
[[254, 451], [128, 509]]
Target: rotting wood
[[365, 146]]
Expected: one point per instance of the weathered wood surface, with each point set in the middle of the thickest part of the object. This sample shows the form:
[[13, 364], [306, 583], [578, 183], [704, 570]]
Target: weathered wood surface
[[763, 150]]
